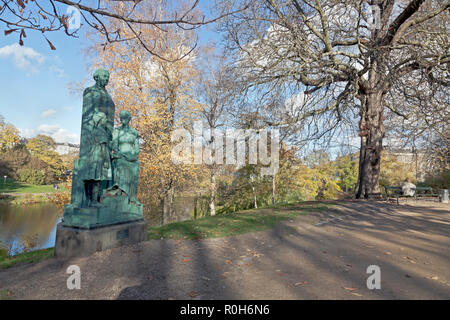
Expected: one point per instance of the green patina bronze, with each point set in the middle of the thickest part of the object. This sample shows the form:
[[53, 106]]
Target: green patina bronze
[[105, 177]]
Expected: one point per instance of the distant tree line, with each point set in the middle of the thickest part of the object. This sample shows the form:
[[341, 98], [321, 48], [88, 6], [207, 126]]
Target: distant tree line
[[33, 161]]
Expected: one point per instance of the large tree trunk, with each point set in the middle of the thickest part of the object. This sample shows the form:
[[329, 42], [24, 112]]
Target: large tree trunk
[[372, 133]]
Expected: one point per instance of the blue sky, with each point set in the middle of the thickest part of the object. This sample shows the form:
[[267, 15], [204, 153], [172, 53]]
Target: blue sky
[[34, 81]]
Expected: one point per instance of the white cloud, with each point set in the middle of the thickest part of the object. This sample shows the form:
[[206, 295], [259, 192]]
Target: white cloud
[[61, 73], [58, 133], [27, 133], [24, 58], [48, 113]]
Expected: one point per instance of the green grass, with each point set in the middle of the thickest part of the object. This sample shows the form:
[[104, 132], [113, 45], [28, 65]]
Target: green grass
[[28, 257], [13, 192], [18, 187], [6, 294], [23, 199], [233, 224]]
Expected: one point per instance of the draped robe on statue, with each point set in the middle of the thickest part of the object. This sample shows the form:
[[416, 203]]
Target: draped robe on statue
[[95, 99]]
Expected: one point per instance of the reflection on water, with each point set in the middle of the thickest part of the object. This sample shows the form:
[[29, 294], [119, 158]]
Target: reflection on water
[[28, 227]]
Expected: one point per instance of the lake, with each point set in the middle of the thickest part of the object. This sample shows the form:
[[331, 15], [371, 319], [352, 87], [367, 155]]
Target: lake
[[28, 227]]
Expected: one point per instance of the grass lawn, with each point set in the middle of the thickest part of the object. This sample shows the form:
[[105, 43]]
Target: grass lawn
[[28, 257], [18, 187], [233, 224]]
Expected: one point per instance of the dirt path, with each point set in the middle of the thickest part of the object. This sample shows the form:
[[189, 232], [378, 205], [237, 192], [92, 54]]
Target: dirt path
[[320, 256]]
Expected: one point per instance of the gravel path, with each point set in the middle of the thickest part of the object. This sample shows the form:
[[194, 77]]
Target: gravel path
[[323, 255]]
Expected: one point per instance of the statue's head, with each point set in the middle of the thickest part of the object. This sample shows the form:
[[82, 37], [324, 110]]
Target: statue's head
[[124, 117], [101, 77]]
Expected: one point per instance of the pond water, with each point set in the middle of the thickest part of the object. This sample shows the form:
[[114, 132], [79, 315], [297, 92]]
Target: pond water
[[28, 227]]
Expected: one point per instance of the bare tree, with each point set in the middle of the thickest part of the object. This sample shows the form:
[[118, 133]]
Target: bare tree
[[216, 91], [48, 16], [349, 57]]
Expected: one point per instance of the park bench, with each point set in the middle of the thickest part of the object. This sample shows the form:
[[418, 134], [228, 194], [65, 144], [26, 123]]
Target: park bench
[[419, 192], [425, 192]]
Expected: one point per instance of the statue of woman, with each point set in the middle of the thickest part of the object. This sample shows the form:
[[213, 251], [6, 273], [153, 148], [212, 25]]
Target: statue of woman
[[98, 158], [125, 147]]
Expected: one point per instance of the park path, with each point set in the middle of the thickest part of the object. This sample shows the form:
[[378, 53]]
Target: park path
[[323, 255]]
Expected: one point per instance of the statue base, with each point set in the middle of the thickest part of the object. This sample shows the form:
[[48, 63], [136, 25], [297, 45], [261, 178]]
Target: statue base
[[76, 242], [112, 210]]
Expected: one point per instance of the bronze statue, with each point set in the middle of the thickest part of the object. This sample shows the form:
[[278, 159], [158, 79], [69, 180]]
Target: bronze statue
[[125, 147], [105, 177]]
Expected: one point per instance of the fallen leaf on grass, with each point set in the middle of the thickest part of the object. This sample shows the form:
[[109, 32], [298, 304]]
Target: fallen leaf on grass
[[229, 261], [350, 289], [301, 283], [186, 260]]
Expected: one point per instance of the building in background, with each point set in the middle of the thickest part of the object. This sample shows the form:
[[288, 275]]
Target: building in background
[[66, 148], [411, 156]]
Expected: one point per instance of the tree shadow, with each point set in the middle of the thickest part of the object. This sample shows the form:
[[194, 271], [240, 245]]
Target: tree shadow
[[316, 264]]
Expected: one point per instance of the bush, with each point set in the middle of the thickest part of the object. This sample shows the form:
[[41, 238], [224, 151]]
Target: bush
[[30, 176], [439, 180]]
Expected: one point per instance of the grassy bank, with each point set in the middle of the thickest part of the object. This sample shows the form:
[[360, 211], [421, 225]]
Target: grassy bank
[[18, 187], [22, 199], [28, 257], [233, 224], [13, 192], [208, 227]]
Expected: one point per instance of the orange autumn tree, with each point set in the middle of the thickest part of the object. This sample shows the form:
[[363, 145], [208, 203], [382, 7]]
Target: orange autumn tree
[[158, 92]]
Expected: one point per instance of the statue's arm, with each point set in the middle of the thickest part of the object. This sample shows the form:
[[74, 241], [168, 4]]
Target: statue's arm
[[110, 114], [87, 100], [136, 144], [115, 143]]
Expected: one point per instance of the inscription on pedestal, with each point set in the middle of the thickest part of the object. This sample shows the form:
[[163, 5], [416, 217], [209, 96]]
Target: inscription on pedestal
[[122, 234]]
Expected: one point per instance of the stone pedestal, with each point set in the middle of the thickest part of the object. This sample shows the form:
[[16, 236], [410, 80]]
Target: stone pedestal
[[75, 242]]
